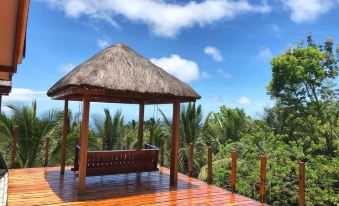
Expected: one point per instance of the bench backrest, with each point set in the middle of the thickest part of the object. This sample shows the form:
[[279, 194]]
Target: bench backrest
[[120, 161]]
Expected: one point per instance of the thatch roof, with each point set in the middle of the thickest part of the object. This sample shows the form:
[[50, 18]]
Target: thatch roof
[[119, 74], [5, 87]]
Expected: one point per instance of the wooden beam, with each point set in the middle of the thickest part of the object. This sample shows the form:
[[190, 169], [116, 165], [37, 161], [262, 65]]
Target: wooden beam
[[7, 76], [19, 43], [175, 144], [15, 137], [109, 96], [6, 68], [83, 145], [141, 126], [209, 164], [233, 170], [301, 184], [190, 160], [262, 178], [64, 138]]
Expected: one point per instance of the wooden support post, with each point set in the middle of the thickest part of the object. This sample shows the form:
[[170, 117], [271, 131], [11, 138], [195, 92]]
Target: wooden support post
[[190, 160], [175, 144], [262, 178], [15, 137], [162, 150], [301, 184], [141, 126], [64, 138], [46, 152], [233, 170], [83, 145], [209, 166]]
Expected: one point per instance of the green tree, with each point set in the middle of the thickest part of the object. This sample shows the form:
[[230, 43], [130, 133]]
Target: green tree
[[110, 130], [303, 83], [191, 131], [130, 135], [231, 123], [33, 132]]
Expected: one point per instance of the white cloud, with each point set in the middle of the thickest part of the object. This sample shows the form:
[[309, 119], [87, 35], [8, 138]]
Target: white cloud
[[163, 18], [265, 53], [102, 43], [244, 100], [67, 67], [214, 53], [205, 75], [24, 94], [308, 10], [224, 73], [183, 69]]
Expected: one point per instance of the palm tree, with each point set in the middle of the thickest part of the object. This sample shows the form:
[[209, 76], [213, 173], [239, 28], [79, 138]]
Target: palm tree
[[191, 131], [154, 132], [130, 135], [230, 122], [73, 137], [110, 130], [33, 131]]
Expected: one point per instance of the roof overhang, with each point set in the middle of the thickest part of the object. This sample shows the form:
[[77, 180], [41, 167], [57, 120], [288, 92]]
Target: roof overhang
[[13, 25], [109, 96]]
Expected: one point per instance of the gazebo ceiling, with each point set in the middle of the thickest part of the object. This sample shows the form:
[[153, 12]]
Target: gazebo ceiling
[[119, 74]]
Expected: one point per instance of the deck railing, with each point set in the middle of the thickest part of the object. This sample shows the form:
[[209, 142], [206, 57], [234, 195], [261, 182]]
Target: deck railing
[[262, 177], [3, 182]]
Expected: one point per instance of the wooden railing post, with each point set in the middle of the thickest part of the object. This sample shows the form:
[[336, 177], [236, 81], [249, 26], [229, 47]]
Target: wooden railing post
[[162, 147], [262, 178], [190, 160], [15, 137], [209, 171], [301, 184], [46, 152], [233, 170]]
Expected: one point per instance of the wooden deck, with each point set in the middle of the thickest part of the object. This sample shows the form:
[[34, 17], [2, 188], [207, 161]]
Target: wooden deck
[[45, 186]]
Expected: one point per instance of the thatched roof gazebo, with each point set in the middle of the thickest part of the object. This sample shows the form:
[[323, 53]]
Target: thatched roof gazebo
[[118, 74]]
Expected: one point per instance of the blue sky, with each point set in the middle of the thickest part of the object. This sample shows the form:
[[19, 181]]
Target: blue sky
[[222, 48]]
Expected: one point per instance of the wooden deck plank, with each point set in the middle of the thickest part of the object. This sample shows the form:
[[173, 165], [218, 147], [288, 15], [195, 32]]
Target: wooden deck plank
[[45, 186]]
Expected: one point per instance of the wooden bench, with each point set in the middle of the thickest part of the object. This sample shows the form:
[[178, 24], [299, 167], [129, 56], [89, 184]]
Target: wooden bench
[[119, 161]]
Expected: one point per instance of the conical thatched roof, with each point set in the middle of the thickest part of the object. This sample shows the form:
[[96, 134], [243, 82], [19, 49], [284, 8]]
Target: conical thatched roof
[[119, 74]]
